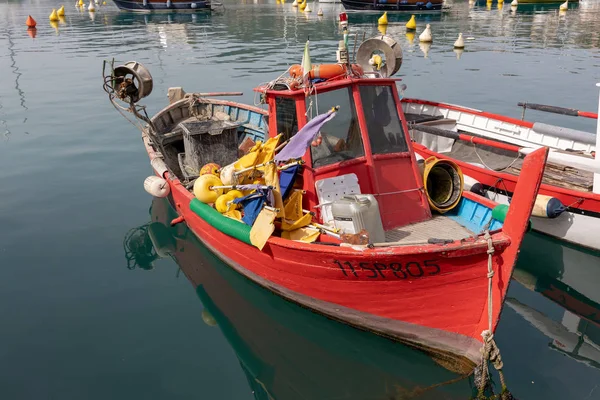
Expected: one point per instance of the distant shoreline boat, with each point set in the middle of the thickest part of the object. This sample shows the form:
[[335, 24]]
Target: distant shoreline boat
[[391, 6], [147, 6], [545, 1]]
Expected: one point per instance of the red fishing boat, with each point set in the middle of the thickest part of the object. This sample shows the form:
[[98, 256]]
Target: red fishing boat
[[377, 259]]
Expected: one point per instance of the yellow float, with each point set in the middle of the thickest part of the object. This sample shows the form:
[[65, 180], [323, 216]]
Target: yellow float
[[204, 188]]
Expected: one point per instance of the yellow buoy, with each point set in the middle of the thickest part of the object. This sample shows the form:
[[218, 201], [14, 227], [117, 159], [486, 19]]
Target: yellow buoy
[[61, 11], [500, 1], [411, 24], [376, 61], [53, 17], [203, 188], [460, 43], [221, 203], [382, 29], [103, 3], [410, 36], [564, 6], [426, 36], [81, 3], [302, 6], [383, 19]]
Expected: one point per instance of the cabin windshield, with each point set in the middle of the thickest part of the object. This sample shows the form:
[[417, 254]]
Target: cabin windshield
[[287, 121], [341, 136], [383, 123]]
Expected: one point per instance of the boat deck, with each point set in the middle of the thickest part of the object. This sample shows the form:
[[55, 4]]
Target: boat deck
[[439, 227]]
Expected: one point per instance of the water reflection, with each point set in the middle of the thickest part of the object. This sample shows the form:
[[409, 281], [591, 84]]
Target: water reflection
[[286, 351], [570, 278]]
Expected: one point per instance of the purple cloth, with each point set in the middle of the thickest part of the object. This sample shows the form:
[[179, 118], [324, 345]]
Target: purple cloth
[[301, 140]]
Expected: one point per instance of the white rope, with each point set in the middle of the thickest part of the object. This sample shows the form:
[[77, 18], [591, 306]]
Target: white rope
[[490, 275], [485, 165]]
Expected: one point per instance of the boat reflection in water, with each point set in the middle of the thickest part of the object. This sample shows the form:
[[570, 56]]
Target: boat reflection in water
[[570, 278], [286, 351]]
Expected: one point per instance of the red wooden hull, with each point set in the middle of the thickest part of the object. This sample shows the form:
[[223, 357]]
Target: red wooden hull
[[432, 297]]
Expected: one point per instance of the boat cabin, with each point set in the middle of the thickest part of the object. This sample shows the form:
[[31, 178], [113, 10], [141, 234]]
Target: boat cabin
[[368, 138]]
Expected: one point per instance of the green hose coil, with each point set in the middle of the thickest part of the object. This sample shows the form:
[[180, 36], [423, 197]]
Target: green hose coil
[[228, 226]]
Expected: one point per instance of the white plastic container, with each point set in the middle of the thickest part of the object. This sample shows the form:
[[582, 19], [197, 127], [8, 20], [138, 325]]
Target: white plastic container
[[355, 212]]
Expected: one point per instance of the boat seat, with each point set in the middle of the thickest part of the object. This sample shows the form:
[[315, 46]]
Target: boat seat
[[170, 137]]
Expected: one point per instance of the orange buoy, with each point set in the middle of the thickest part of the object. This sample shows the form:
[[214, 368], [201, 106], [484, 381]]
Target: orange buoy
[[30, 22], [324, 71]]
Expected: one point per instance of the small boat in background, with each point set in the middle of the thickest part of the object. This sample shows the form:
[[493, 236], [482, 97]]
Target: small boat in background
[[398, 5], [148, 6], [337, 215], [489, 149]]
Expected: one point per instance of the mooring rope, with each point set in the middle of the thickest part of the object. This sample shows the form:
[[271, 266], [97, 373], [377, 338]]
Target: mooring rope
[[491, 352]]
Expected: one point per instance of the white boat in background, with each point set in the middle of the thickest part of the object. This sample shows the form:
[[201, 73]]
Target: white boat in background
[[489, 149]]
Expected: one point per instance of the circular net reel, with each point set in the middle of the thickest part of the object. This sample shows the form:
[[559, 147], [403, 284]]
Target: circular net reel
[[380, 56]]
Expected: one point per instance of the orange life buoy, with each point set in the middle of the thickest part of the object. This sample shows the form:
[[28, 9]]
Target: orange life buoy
[[324, 71]]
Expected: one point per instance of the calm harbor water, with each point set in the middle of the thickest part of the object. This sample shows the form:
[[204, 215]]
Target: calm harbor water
[[85, 316]]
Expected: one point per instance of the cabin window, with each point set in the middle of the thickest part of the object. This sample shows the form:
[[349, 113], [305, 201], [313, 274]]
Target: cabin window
[[287, 121], [341, 136], [383, 123]]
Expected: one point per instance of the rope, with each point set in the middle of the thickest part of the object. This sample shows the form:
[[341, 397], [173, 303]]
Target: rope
[[491, 352], [492, 169]]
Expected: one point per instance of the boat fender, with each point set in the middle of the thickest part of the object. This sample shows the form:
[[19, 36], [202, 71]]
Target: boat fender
[[203, 188], [145, 3], [194, 5], [227, 175], [472, 185], [169, 3], [547, 207], [231, 227], [157, 187], [501, 210]]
